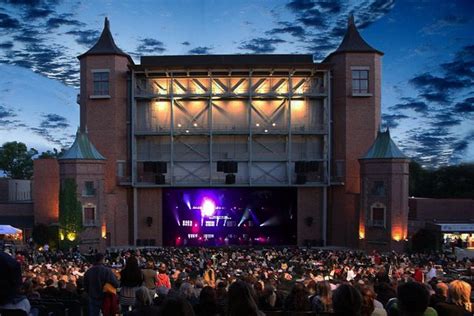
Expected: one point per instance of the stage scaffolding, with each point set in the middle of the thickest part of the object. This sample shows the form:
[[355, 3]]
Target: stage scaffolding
[[265, 120]]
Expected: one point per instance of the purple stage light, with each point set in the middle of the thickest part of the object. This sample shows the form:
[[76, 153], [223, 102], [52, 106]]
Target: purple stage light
[[208, 208]]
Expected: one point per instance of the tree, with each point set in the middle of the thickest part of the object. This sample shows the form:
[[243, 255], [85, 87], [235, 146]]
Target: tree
[[70, 211], [16, 160], [51, 154]]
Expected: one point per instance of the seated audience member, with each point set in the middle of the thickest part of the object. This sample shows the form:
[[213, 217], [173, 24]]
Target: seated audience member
[[322, 301], [241, 301], [143, 303], [385, 292], [207, 305], [176, 306], [10, 284], [440, 295], [412, 300], [368, 306], [458, 302], [298, 300], [346, 301]]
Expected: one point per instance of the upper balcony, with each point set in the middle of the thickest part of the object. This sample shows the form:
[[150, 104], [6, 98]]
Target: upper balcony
[[230, 87]]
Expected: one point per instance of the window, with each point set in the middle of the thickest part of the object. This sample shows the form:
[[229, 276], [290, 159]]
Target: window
[[88, 213], [378, 188], [101, 83], [377, 218], [360, 81], [89, 189]]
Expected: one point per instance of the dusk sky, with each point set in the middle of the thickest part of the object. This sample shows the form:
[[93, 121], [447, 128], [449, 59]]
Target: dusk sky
[[428, 66]]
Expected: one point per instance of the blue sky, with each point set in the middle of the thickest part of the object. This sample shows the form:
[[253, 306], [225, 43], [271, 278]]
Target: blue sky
[[428, 66]]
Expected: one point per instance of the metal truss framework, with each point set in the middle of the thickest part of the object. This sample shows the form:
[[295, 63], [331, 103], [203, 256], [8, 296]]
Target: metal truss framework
[[203, 113]]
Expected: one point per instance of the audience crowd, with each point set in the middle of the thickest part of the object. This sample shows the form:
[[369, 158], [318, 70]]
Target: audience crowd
[[236, 281]]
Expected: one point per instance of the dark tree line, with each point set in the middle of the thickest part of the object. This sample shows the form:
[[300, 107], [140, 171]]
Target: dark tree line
[[444, 182]]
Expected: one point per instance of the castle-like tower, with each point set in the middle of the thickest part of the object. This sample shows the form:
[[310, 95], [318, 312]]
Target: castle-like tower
[[104, 98], [383, 223], [356, 95]]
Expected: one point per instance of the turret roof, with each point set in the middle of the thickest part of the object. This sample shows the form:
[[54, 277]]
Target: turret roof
[[105, 45], [384, 148], [82, 149], [353, 41]]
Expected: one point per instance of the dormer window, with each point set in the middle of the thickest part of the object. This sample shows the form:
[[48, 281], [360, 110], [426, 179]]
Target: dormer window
[[100, 87], [360, 81]]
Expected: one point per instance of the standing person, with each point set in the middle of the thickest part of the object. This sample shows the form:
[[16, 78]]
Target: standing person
[[162, 279], [94, 280], [149, 276], [131, 278]]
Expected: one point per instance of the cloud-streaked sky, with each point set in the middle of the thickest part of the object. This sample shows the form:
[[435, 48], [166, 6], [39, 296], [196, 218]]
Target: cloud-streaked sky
[[428, 66]]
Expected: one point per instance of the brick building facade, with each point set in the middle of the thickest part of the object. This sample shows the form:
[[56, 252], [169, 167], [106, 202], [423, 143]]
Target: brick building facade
[[283, 120]]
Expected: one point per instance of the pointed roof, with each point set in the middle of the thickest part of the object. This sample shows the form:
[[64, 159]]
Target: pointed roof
[[105, 45], [384, 148], [353, 41], [82, 149]]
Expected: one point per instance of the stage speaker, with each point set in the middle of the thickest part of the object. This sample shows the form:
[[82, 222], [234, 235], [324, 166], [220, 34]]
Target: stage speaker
[[160, 179], [230, 179], [230, 167], [300, 178], [161, 167], [149, 166], [301, 166], [220, 166]]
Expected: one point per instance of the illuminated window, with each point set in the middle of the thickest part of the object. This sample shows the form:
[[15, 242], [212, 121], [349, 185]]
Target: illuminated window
[[89, 216], [101, 83], [360, 81]]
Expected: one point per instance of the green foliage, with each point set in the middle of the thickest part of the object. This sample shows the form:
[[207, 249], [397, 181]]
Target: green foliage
[[445, 182], [70, 209], [16, 160], [51, 154]]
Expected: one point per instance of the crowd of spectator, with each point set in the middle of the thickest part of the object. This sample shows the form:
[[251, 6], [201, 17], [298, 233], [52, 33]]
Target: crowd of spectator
[[238, 281]]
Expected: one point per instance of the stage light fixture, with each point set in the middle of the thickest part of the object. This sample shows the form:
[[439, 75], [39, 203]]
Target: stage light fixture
[[208, 208]]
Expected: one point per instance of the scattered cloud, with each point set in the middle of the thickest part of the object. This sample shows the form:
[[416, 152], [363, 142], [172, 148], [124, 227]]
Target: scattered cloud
[[410, 104], [287, 27], [200, 50], [51, 128], [8, 22], [150, 45], [185, 43], [261, 45], [465, 106], [53, 121], [7, 117], [392, 120], [86, 38], [62, 20]]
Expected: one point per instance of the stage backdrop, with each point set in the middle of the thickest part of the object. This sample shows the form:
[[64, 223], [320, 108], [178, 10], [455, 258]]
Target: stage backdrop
[[229, 216]]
